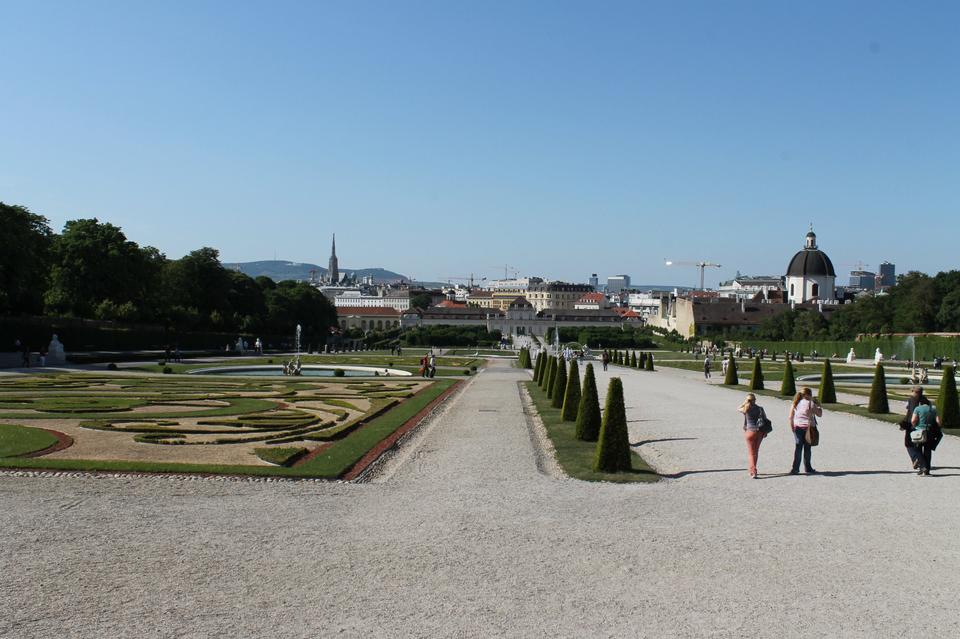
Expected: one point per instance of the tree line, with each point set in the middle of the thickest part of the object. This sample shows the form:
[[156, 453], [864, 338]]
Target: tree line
[[91, 270]]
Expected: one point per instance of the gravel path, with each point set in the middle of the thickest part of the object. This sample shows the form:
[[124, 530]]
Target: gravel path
[[463, 536]]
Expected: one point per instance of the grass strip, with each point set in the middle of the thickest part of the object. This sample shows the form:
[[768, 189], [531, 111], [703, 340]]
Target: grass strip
[[575, 456]]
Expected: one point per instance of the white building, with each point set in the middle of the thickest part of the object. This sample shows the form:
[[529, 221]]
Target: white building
[[744, 287], [354, 298], [810, 274]]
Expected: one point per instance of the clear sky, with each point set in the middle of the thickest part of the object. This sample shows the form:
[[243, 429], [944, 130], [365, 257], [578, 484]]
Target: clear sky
[[443, 138]]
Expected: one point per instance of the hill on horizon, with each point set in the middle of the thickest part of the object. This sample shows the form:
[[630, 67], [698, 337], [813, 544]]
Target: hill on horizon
[[280, 270]]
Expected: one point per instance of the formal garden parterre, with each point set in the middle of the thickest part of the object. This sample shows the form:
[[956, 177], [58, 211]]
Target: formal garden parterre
[[292, 427]]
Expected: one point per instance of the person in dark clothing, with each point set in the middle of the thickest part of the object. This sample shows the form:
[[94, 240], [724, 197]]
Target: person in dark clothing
[[920, 454]]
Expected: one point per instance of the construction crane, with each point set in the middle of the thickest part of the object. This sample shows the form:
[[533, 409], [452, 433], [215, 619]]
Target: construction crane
[[701, 265], [506, 268], [449, 279]]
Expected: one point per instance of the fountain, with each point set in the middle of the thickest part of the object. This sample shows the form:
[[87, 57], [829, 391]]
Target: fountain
[[908, 349], [293, 366]]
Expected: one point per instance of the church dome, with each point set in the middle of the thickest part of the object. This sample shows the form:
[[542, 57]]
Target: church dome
[[810, 261]]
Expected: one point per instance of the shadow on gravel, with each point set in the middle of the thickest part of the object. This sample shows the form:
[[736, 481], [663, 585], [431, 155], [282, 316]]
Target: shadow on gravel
[[665, 439], [684, 473], [840, 473]]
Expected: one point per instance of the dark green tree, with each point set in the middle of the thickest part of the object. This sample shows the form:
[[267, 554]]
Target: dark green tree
[[828, 392], [878, 393], [25, 241], [571, 395], [633, 359], [947, 404], [788, 387], [538, 368], [420, 300], [96, 270], [643, 361], [559, 384], [756, 378], [731, 378], [649, 364], [613, 445], [588, 412]]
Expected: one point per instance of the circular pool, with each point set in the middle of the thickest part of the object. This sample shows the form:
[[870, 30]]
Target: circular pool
[[308, 370], [866, 379]]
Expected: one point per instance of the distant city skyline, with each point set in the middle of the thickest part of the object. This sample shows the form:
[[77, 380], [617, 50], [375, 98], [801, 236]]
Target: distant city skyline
[[436, 140]]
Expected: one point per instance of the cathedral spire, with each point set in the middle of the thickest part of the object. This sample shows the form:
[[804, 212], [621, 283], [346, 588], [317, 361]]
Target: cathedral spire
[[333, 272]]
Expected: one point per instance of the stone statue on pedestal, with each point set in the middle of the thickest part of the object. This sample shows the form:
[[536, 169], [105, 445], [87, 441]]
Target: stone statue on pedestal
[[55, 353]]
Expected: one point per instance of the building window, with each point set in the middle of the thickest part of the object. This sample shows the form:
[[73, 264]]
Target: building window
[[815, 290], [791, 290]]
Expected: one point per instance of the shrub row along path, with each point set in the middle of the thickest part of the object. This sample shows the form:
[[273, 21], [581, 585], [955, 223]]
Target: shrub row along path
[[461, 535]]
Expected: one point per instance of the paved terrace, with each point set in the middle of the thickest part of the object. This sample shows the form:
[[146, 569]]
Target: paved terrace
[[461, 535]]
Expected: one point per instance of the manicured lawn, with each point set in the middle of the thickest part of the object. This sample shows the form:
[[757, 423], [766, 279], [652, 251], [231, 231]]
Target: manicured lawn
[[20, 440], [575, 456], [408, 362], [288, 417]]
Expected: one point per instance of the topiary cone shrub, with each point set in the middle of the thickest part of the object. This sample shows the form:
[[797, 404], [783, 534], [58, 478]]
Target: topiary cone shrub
[[649, 364], [643, 360], [828, 392], [613, 444], [731, 379], [548, 374], [525, 358], [538, 367], [588, 412], [756, 378], [947, 405], [554, 362], [878, 393], [788, 388], [559, 384], [571, 395], [633, 359]]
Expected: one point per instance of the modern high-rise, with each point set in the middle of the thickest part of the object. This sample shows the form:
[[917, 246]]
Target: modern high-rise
[[594, 281], [618, 283], [888, 274]]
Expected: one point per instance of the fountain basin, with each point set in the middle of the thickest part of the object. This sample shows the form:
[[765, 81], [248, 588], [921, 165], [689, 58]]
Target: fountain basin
[[865, 379], [307, 370]]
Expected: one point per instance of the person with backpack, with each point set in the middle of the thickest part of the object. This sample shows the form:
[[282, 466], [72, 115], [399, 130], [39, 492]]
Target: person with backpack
[[755, 428], [803, 416], [926, 433]]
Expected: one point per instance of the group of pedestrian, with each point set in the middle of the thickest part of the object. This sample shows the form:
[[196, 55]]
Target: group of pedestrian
[[921, 426], [395, 350], [428, 364]]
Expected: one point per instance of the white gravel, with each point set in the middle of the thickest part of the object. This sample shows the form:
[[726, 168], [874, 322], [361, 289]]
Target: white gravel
[[465, 537]]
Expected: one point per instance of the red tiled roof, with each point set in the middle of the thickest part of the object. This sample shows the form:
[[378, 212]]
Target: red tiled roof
[[451, 304], [591, 297]]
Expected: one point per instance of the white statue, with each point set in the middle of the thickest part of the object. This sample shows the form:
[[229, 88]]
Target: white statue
[[851, 356], [878, 356], [55, 352]]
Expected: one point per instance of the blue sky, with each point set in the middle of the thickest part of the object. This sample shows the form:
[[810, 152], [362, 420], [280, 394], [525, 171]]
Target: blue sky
[[444, 138]]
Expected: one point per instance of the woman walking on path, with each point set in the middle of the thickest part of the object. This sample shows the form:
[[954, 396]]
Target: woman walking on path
[[916, 395], [926, 422], [706, 367], [753, 416], [803, 415]]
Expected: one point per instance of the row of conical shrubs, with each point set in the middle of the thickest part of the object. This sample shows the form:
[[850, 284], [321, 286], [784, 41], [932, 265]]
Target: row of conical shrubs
[[642, 362], [580, 403], [948, 403]]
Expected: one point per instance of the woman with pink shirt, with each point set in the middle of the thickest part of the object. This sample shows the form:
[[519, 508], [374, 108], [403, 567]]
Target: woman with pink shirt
[[803, 415]]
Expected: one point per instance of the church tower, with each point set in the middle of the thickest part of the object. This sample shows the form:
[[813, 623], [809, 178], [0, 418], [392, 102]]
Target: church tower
[[333, 272]]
